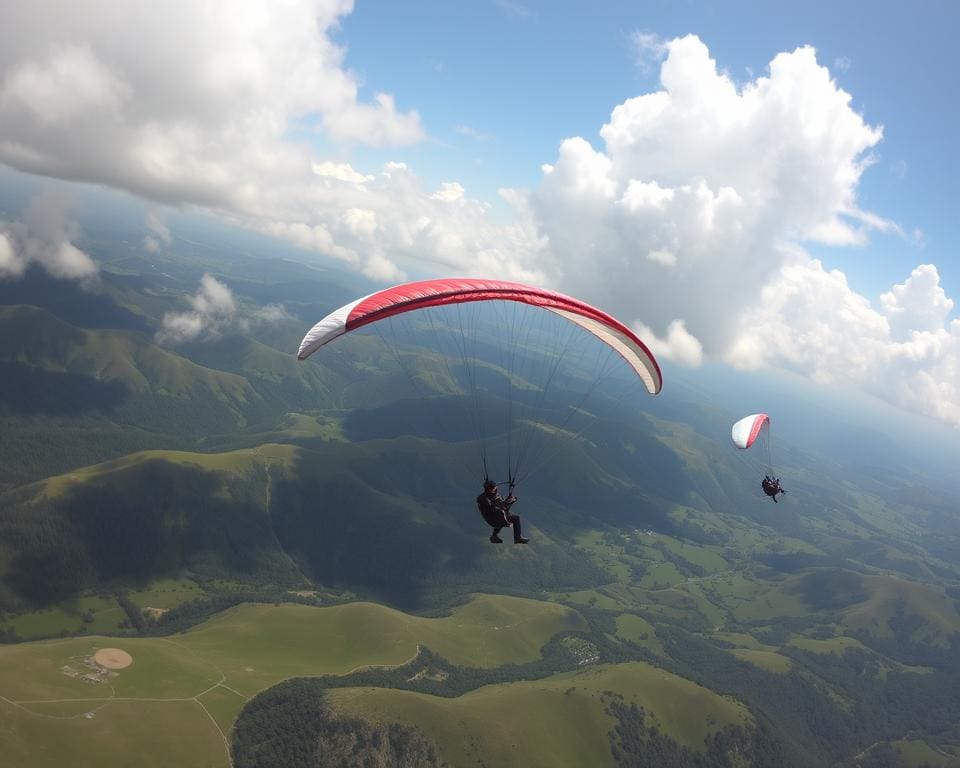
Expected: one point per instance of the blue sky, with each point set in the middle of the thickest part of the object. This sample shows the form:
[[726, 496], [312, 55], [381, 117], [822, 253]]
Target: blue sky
[[690, 167]]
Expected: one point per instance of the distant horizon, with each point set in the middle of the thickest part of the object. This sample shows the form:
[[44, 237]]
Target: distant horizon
[[924, 439]]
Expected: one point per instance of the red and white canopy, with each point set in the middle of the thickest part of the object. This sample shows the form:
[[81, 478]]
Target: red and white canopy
[[746, 431], [435, 293]]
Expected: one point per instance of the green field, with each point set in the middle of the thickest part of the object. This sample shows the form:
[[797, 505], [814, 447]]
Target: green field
[[832, 645], [232, 462], [516, 724], [147, 734], [166, 594], [590, 597], [257, 646], [639, 631], [888, 595], [743, 640], [916, 752], [195, 683]]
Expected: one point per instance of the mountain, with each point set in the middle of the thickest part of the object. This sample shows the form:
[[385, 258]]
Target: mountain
[[149, 489]]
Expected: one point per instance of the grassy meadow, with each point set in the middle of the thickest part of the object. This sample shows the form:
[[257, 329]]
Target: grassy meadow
[[195, 683], [516, 724]]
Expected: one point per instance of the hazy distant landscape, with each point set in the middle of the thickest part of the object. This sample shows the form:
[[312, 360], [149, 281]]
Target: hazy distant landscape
[[290, 554]]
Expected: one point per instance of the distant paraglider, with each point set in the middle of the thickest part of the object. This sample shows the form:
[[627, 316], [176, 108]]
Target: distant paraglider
[[751, 431]]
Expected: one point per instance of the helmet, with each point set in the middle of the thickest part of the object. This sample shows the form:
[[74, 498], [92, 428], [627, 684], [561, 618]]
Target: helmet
[[488, 484]]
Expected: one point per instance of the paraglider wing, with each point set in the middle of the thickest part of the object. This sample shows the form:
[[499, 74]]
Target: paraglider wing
[[746, 431], [435, 293]]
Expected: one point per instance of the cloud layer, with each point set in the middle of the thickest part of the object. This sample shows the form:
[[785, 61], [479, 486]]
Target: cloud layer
[[688, 220], [182, 101]]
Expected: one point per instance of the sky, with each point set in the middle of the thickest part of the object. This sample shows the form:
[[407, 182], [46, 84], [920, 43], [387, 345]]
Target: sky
[[761, 186]]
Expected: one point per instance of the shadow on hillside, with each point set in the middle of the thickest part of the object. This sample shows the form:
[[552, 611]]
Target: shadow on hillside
[[28, 390], [71, 302], [346, 531], [139, 522]]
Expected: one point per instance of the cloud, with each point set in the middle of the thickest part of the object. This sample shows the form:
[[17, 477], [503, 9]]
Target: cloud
[[272, 314], [842, 64], [648, 48], [341, 172], [700, 189], [43, 235], [688, 218], [213, 311], [918, 304], [515, 9], [183, 101], [678, 345], [907, 351], [11, 265], [217, 109], [449, 192], [159, 233], [899, 169], [690, 223], [473, 133]]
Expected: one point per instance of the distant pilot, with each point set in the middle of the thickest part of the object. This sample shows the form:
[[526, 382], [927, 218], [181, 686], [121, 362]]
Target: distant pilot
[[771, 487], [496, 511]]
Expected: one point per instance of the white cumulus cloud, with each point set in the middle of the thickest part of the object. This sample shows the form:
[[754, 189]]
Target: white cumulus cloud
[[11, 264], [272, 314], [217, 105], [678, 345], [213, 311], [43, 235], [907, 351], [918, 304], [688, 209], [649, 48], [182, 101], [690, 222]]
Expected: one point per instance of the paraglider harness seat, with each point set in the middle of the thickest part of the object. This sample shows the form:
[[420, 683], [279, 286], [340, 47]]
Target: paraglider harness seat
[[495, 510], [771, 487]]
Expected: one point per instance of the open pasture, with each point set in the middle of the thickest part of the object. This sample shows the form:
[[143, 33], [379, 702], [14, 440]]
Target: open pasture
[[473, 730], [61, 708]]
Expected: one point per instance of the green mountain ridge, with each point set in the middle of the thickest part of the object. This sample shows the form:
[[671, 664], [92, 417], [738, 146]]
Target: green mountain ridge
[[146, 489]]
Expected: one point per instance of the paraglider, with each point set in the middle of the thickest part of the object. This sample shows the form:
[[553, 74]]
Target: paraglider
[[754, 430], [533, 331]]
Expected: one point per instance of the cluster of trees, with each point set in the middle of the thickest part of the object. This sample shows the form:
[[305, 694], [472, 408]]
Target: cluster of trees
[[634, 744], [269, 716], [880, 703], [291, 725]]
